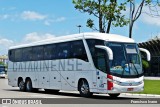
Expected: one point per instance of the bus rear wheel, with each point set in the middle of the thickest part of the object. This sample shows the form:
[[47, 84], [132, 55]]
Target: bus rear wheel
[[114, 95], [21, 85], [29, 85], [84, 89]]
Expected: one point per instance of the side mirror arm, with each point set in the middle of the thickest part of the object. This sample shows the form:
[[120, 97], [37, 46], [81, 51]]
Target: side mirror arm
[[147, 52], [107, 49]]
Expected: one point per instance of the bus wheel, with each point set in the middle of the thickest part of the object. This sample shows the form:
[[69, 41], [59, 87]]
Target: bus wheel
[[29, 85], [21, 85], [114, 95], [84, 89]]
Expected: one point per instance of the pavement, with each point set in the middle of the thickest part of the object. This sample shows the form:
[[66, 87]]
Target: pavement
[[141, 95], [100, 100], [151, 78]]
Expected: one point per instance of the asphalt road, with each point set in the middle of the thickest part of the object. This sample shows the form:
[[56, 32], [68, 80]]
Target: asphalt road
[[68, 98]]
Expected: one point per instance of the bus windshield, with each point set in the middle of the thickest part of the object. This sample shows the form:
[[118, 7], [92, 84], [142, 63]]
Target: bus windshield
[[126, 60]]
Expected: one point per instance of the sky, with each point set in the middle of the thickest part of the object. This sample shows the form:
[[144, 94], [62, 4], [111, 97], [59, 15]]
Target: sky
[[26, 21]]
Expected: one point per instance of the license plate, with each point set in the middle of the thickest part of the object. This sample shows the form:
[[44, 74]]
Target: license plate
[[130, 89]]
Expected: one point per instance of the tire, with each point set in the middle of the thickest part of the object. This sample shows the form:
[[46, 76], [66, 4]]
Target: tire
[[29, 85], [21, 85], [51, 91], [84, 89], [114, 95]]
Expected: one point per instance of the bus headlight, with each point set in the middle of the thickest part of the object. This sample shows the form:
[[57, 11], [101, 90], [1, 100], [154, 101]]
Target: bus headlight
[[117, 82]]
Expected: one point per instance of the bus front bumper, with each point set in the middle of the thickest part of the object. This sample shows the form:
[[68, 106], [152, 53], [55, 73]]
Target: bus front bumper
[[126, 89]]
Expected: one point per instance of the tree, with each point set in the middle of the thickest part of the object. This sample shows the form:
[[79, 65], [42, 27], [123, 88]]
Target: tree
[[108, 12], [2, 63], [135, 13]]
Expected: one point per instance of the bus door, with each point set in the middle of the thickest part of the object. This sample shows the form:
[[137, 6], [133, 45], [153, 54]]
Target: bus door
[[101, 65]]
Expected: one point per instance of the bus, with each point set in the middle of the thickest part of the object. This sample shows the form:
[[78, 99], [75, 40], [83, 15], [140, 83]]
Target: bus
[[86, 62], [3, 72]]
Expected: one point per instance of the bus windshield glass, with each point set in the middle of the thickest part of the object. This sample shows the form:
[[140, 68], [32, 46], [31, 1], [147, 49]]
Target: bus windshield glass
[[126, 60]]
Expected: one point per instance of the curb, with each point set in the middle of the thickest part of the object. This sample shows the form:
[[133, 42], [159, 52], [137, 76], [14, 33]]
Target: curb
[[151, 78], [145, 95]]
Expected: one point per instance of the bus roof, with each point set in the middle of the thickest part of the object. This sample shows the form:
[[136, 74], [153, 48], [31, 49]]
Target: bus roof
[[93, 35]]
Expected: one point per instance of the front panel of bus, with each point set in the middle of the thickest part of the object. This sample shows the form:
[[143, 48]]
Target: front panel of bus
[[123, 73]]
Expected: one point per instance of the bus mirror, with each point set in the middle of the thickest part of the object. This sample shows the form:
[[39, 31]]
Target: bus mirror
[[147, 53], [109, 51]]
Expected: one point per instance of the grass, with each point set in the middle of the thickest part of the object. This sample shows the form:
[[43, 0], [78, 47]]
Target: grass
[[151, 87]]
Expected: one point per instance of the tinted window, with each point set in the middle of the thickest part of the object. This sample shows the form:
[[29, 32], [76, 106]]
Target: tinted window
[[78, 50], [99, 56], [18, 55], [91, 44], [11, 55], [38, 53], [27, 54], [50, 52], [101, 60], [63, 51]]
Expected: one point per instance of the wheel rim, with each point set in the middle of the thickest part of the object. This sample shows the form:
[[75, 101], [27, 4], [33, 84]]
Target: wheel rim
[[28, 85], [84, 88]]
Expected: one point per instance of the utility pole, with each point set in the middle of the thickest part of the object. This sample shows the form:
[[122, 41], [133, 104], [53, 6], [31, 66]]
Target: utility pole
[[79, 26]]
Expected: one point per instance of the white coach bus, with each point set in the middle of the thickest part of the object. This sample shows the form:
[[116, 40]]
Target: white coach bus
[[87, 62]]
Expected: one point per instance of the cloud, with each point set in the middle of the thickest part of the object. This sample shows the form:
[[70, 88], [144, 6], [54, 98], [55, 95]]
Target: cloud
[[4, 45], [60, 19], [34, 36], [28, 38], [31, 15], [50, 21], [6, 42], [150, 20], [151, 15], [25, 15], [8, 8], [5, 16]]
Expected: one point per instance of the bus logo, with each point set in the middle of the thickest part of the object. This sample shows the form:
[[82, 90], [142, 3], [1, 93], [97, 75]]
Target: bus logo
[[6, 101], [130, 84]]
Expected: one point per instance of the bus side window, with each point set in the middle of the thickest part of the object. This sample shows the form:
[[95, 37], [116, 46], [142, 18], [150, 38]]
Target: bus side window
[[27, 54], [78, 50], [99, 56], [50, 52], [38, 52], [101, 60], [63, 50], [11, 55], [18, 55]]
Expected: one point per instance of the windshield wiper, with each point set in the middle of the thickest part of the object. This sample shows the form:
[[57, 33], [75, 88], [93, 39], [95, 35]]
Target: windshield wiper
[[135, 67], [123, 70]]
